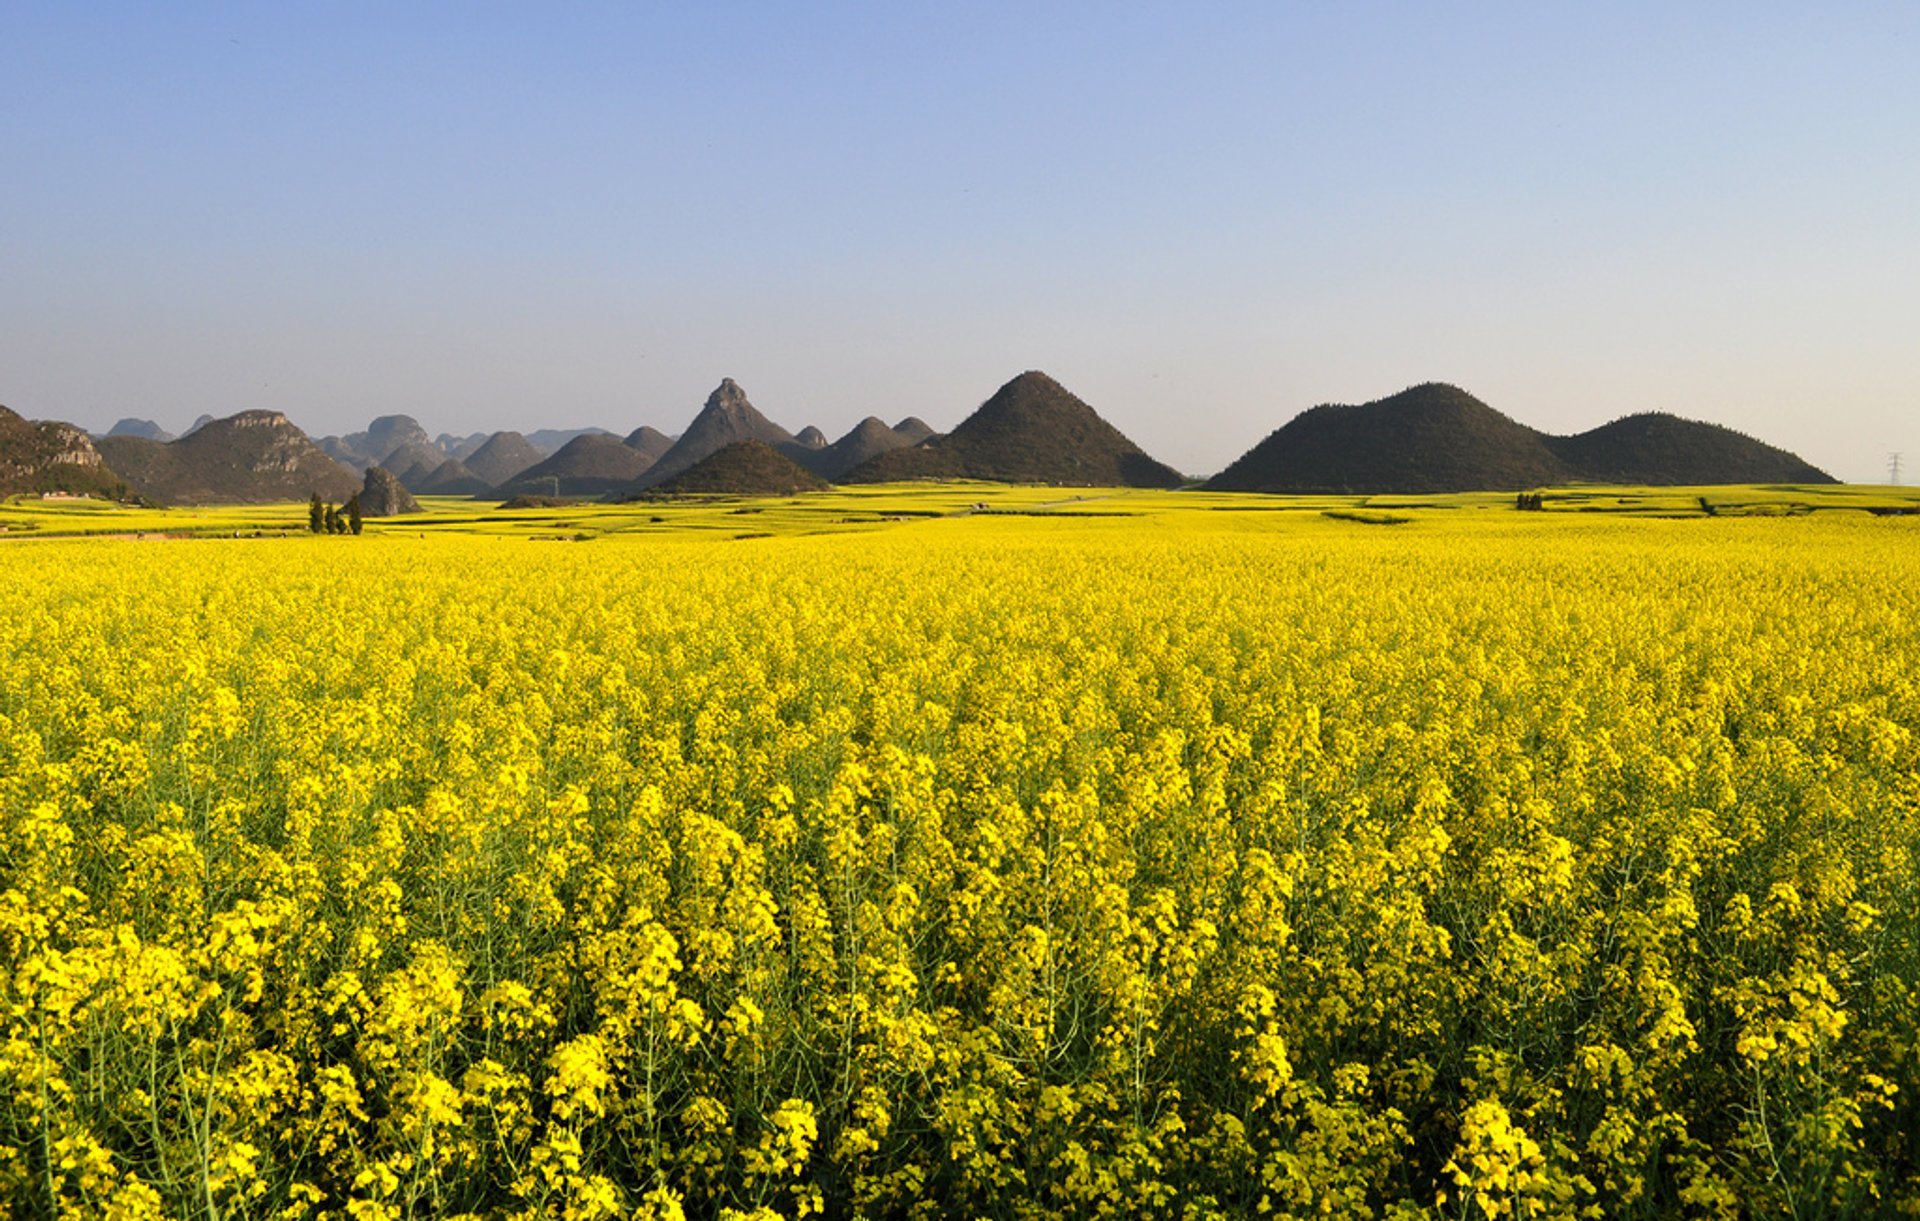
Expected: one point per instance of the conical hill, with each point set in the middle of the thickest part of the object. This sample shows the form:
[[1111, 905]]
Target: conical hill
[[1033, 430]]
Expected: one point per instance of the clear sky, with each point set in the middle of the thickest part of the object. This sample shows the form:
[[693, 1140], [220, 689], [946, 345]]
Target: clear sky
[[1203, 219]]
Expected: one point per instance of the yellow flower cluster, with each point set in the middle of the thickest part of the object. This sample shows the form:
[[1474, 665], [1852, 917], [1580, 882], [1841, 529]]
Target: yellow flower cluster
[[1496, 864]]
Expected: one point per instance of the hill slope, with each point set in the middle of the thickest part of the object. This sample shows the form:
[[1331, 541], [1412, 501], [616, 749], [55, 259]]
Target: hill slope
[[1033, 430], [1656, 448], [51, 457], [727, 417], [741, 468], [249, 458]]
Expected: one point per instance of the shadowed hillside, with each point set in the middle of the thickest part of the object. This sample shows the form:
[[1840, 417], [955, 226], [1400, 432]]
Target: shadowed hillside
[[591, 464], [250, 458], [1033, 430], [741, 468], [450, 478]]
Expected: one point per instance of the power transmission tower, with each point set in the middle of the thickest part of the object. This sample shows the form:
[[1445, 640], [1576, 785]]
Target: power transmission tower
[[1893, 469]]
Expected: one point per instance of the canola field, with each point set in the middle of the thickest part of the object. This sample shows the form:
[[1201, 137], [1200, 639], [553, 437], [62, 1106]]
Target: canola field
[[1202, 865]]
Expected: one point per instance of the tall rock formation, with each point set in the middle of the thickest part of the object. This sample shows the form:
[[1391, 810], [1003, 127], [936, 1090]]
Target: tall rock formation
[[726, 418]]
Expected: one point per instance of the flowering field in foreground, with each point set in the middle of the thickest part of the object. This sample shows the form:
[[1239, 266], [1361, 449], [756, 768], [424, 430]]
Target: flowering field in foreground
[[1488, 864]]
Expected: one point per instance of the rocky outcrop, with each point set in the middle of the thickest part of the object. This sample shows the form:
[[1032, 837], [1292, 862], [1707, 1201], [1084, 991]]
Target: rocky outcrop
[[381, 495]]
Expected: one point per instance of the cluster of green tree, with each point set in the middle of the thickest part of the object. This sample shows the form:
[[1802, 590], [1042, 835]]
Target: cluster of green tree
[[324, 518], [1531, 501]]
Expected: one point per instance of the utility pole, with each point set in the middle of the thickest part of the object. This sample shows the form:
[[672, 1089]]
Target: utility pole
[[1893, 469]]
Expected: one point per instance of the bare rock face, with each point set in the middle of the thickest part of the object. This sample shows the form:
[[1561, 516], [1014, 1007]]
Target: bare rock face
[[383, 496]]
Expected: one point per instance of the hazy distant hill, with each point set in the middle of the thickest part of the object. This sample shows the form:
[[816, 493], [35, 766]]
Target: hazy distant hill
[[915, 430], [727, 417], [411, 454], [52, 457], [811, 437], [593, 464], [550, 441], [501, 457], [450, 478], [460, 447], [252, 457], [1033, 430], [1656, 448], [380, 444], [1438, 438], [741, 468], [131, 426], [862, 443]]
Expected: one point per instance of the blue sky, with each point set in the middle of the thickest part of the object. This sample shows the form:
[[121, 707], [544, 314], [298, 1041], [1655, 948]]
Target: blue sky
[[1201, 218]]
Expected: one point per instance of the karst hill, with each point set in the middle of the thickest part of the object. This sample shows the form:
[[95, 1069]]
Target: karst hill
[[250, 458], [1436, 438], [1033, 430]]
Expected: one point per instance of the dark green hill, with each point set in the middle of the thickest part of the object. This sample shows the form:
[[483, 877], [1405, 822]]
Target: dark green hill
[[249, 458], [1033, 430], [592, 464], [1656, 448], [1429, 438], [741, 468], [1438, 438], [52, 457]]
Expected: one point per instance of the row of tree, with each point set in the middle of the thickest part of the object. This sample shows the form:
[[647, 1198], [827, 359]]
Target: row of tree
[[324, 518]]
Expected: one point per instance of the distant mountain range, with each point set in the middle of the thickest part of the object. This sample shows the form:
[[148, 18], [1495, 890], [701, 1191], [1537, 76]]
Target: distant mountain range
[[1428, 439]]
